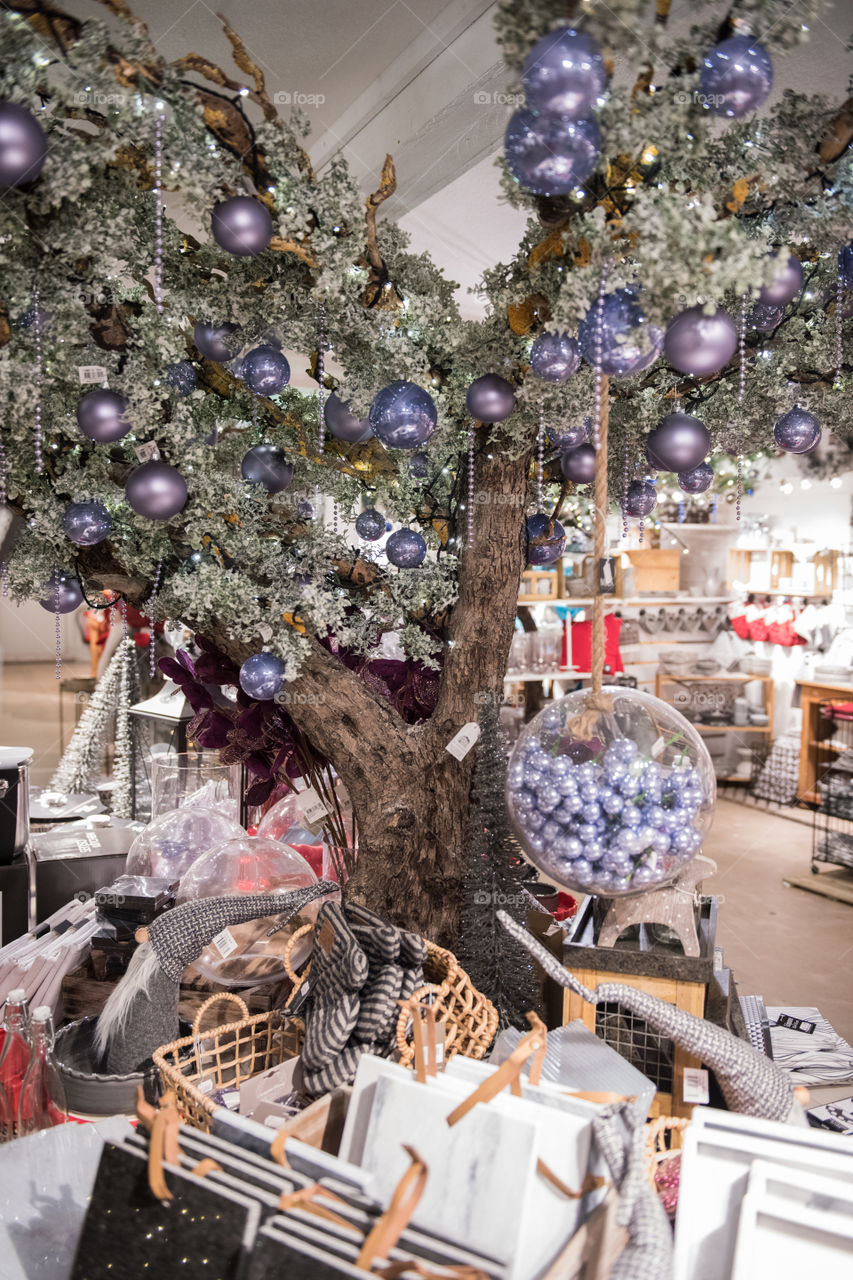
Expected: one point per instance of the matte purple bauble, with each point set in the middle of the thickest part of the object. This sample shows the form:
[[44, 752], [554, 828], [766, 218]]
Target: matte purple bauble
[[640, 500], [86, 523], [262, 676], [62, 593], [406, 549], [23, 145], [797, 431], [212, 341], [403, 415], [579, 464], [737, 76], [266, 465], [342, 424], [845, 264], [241, 225], [564, 73], [700, 344], [156, 490], [785, 285], [490, 398], [628, 344], [552, 548], [549, 155], [765, 319], [678, 443], [570, 437], [697, 480], [555, 357], [99, 416], [419, 466], [265, 371], [182, 376], [370, 524]]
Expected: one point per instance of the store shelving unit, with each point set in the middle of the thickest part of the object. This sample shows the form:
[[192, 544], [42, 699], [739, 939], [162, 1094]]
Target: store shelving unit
[[756, 736], [832, 829]]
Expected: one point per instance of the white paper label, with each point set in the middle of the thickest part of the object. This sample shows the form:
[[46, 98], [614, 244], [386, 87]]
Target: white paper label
[[91, 373], [94, 842], [147, 452], [658, 747], [464, 740], [225, 943], [265, 632], [695, 1086], [205, 1086], [314, 808]]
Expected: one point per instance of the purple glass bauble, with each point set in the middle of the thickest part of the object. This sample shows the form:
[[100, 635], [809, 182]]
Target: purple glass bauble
[[419, 466], [579, 464], [262, 676], [99, 416], [697, 480], [406, 549], [628, 344], [62, 593], [265, 371], [555, 357], [305, 509], [700, 344], [182, 376], [86, 523], [678, 443], [156, 490], [564, 73], [490, 398], [552, 548], [765, 319], [797, 431], [370, 524], [845, 264], [241, 225], [570, 437], [640, 500], [266, 465], [403, 415], [23, 145], [342, 424], [785, 285], [737, 76], [548, 155], [212, 341]]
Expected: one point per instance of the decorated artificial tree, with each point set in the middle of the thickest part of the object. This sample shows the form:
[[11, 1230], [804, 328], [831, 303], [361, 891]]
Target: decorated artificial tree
[[143, 374]]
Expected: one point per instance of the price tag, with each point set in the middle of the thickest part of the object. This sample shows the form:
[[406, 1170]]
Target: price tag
[[657, 747], [695, 1085], [314, 808], [225, 943], [205, 1086], [461, 744], [790, 1023], [147, 452], [91, 373], [265, 632]]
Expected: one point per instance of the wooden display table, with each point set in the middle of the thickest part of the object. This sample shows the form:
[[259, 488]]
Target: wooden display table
[[816, 753]]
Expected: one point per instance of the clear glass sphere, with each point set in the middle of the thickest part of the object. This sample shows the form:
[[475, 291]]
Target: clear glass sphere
[[252, 952], [287, 820], [616, 807], [170, 844]]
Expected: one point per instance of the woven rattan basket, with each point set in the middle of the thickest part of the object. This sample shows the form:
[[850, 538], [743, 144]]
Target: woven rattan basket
[[224, 1055]]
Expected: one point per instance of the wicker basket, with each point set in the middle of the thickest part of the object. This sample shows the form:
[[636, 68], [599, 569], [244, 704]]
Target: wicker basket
[[225, 1055]]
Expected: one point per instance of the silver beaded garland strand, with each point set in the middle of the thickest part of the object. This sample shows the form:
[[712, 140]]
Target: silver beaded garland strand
[[321, 371], [37, 437], [540, 462], [158, 211], [740, 398], [469, 541], [625, 476], [839, 296], [598, 348], [152, 613], [58, 626], [4, 564]]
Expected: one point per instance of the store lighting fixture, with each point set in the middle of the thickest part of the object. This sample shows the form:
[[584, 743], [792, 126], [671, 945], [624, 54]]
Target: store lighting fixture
[[805, 484], [836, 482]]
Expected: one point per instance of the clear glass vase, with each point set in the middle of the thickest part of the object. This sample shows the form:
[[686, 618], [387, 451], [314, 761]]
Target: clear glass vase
[[180, 779]]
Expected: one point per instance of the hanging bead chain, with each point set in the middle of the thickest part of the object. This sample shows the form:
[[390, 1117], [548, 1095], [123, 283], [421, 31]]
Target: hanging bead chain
[[714, 510], [641, 529], [58, 627], [540, 461], [598, 347], [625, 476], [4, 577], [37, 439], [839, 294], [740, 398], [4, 564], [334, 517], [158, 211], [152, 611], [255, 412], [469, 540], [321, 370]]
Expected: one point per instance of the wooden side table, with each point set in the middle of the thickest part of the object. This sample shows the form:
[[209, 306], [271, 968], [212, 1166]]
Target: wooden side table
[[816, 753]]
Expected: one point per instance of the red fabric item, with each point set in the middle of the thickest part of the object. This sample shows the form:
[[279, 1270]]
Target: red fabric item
[[783, 633], [564, 646], [567, 906], [313, 854], [582, 644], [757, 629], [740, 626]]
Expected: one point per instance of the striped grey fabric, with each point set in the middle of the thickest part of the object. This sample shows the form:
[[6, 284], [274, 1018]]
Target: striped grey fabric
[[620, 1136], [339, 969], [378, 1002]]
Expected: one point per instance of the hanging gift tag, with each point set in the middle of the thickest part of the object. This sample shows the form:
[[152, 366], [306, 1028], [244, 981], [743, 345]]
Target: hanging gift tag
[[315, 809], [657, 747], [607, 576], [92, 374], [225, 943], [694, 1088], [464, 740], [265, 632], [147, 452], [791, 1023], [205, 1086]]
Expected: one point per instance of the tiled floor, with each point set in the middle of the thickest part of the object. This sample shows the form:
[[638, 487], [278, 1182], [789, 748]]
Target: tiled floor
[[790, 946]]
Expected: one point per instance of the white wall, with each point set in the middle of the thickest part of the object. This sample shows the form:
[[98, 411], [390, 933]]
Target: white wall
[[27, 634]]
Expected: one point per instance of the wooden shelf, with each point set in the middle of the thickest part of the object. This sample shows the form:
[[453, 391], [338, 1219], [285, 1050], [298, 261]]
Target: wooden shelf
[[624, 602], [827, 745], [740, 728]]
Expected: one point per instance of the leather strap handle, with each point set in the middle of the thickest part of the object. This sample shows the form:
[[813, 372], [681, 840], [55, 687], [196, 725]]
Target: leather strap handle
[[507, 1074], [387, 1231], [206, 1166], [163, 1125], [304, 1198]]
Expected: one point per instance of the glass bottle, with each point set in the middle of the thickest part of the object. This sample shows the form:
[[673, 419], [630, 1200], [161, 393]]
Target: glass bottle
[[14, 1059], [42, 1102]]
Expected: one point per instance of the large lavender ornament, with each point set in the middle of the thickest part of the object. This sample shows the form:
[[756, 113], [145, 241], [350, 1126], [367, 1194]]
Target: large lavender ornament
[[156, 490], [678, 443], [265, 371], [737, 76], [370, 524], [62, 593], [86, 523], [406, 549], [554, 357], [628, 344], [545, 544], [403, 415], [490, 398], [262, 676], [342, 423], [23, 145], [216, 341], [697, 480], [797, 431], [564, 73], [786, 283], [578, 465], [267, 466], [100, 416], [549, 155], [241, 226], [700, 344], [640, 499]]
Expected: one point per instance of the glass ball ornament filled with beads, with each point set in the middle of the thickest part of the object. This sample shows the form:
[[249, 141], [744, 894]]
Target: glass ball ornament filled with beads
[[610, 802], [545, 539], [737, 76], [406, 549], [797, 431], [403, 415], [615, 332], [549, 155], [564, 73], [62, 593], [242, 226], [170, 843], [86, 523], [23, 145], [265, 371], [554, 357], [370, 524]]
